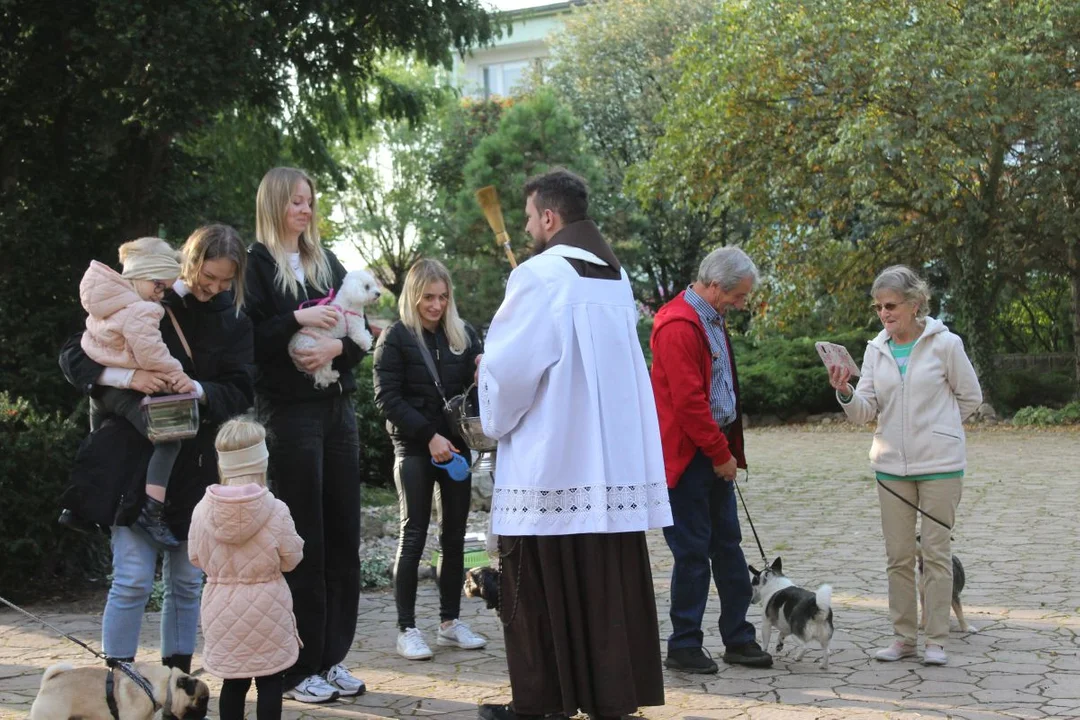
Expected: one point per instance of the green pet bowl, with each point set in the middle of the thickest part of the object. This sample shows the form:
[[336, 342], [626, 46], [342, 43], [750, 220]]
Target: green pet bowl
[[473, 558]]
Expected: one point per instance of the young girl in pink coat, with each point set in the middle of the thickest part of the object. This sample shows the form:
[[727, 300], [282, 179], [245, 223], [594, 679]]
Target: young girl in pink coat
[[244, 539], [123, 314]]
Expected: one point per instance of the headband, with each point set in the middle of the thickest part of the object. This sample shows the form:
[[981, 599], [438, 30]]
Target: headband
[[246, 461]]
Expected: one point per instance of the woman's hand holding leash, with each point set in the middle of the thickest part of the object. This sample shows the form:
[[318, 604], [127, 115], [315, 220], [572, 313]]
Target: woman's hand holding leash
[[441, 448], [318, 316]]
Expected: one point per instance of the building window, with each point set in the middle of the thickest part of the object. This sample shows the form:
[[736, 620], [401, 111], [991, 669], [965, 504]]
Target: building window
[[504, 78]]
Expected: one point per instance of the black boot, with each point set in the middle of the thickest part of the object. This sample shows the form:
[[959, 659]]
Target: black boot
[[150, 519], [180, 662], [114, 661]]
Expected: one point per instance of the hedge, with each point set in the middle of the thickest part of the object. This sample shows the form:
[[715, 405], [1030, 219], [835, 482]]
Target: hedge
[[36, 451]]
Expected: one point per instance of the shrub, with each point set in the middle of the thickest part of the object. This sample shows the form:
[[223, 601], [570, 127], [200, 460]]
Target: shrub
[[36, 452], [1029, 388], [1068, 415], [785, 376], [375, 572], [376, 450]]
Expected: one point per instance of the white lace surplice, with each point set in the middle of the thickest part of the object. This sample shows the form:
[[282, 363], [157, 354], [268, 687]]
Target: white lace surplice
[[565, 390]]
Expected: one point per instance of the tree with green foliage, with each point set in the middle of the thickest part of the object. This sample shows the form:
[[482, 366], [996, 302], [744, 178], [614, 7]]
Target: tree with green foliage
[[861, 132], [536, 134], [107, 129], [611, 64]]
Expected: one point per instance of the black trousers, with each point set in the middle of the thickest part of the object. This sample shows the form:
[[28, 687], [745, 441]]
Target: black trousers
[[417, 479], [315, 470], [234, 694]]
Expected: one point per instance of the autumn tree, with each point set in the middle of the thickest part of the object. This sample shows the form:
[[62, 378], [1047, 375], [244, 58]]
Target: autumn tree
[[861, 132], [611, 64]]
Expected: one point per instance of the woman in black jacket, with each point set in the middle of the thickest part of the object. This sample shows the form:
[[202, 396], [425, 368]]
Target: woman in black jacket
[[220, 362], [406, 393], [314, 448]]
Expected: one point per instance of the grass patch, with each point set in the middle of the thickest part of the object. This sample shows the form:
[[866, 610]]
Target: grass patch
[[372, 496]]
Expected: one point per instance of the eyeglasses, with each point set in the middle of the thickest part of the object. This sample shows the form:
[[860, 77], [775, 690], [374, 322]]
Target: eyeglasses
[[160, 287], [878, 307]]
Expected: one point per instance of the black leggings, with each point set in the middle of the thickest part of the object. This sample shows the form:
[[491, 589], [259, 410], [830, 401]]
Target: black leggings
[[267, 705], [416, 478]]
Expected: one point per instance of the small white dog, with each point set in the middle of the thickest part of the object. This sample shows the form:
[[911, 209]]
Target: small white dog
[[358, 289], [793, 610]]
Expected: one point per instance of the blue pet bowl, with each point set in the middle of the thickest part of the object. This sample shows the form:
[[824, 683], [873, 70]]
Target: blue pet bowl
[[456, 467]]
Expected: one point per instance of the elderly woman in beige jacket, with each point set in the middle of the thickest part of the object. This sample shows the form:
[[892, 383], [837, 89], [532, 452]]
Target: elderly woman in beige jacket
[[919, 385]]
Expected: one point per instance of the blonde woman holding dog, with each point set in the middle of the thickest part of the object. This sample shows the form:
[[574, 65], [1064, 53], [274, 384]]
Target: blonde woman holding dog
[[315, 462], [407, 394], [209, 323], [919, 385], [244, 538]]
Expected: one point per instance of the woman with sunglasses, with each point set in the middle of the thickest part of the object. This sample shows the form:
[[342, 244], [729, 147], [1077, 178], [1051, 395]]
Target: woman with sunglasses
[[919, 385]]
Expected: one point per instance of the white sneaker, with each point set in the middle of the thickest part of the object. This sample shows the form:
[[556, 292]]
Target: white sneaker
[[411, 645], [313, 689], [895, 652], [935, 655], [460, 635], [344, 681]]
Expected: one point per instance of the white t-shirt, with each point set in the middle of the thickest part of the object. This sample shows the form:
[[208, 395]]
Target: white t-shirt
[[297, 267]]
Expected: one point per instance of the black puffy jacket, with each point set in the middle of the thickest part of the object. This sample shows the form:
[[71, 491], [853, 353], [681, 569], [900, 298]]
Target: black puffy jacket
[[272, 313], [405, 392], [221, 345]]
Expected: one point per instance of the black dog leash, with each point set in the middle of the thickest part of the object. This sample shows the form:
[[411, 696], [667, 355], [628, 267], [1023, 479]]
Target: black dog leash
[[911, 504], [748, 518], [124, 667]]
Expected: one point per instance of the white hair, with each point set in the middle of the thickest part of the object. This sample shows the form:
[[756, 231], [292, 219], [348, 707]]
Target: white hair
[[903, 280], [727, 267]]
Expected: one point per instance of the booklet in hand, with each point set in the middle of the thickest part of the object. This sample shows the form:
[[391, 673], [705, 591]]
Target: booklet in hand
[[836, 355]]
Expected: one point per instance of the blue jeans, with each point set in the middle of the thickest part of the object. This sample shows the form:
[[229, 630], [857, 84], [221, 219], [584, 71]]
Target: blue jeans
[[134, 559], [706, 532]]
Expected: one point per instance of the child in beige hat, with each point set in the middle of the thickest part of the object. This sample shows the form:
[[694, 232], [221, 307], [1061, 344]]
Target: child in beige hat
[[122, 331]]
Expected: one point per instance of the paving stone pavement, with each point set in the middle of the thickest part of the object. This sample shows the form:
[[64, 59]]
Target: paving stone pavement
[[812, 502]]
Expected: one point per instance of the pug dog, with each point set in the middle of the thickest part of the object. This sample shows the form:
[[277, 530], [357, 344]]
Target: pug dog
[[71, 692]]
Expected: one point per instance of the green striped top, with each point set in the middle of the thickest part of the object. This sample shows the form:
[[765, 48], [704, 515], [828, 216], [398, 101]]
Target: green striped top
[[901, 353]]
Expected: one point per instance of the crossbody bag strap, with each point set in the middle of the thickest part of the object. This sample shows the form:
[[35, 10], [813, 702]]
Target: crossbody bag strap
[[430, 366], [176, 326]]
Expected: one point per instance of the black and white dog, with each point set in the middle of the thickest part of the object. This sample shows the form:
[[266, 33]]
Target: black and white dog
[[793, 610]]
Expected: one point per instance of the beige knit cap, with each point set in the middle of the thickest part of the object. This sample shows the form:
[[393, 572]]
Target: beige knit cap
[[149, 258]]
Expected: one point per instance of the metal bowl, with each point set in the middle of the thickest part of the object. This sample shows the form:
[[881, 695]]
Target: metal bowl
[[472, 432]]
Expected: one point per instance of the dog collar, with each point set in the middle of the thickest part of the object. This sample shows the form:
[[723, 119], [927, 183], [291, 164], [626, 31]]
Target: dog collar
[[110, 695], [144, 685]]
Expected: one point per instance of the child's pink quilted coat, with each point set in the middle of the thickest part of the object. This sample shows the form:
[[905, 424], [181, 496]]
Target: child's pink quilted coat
[[244, 538]]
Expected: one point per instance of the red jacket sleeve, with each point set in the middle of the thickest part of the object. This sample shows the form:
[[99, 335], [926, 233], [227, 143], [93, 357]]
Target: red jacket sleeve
[[680, 351]]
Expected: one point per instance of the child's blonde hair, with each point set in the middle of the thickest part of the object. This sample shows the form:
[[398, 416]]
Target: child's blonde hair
[[241, 448]]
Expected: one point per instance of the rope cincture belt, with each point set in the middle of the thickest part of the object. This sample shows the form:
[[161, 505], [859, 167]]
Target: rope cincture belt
[[110, 683]]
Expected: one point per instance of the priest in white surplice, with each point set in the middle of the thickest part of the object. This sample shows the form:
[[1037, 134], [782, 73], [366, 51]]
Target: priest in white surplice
[[579, 475]]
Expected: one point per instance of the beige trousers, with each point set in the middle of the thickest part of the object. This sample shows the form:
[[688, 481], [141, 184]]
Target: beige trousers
[[939, 498]]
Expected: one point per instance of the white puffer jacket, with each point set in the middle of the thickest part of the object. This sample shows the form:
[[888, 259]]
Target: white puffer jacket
[[920, 417]]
